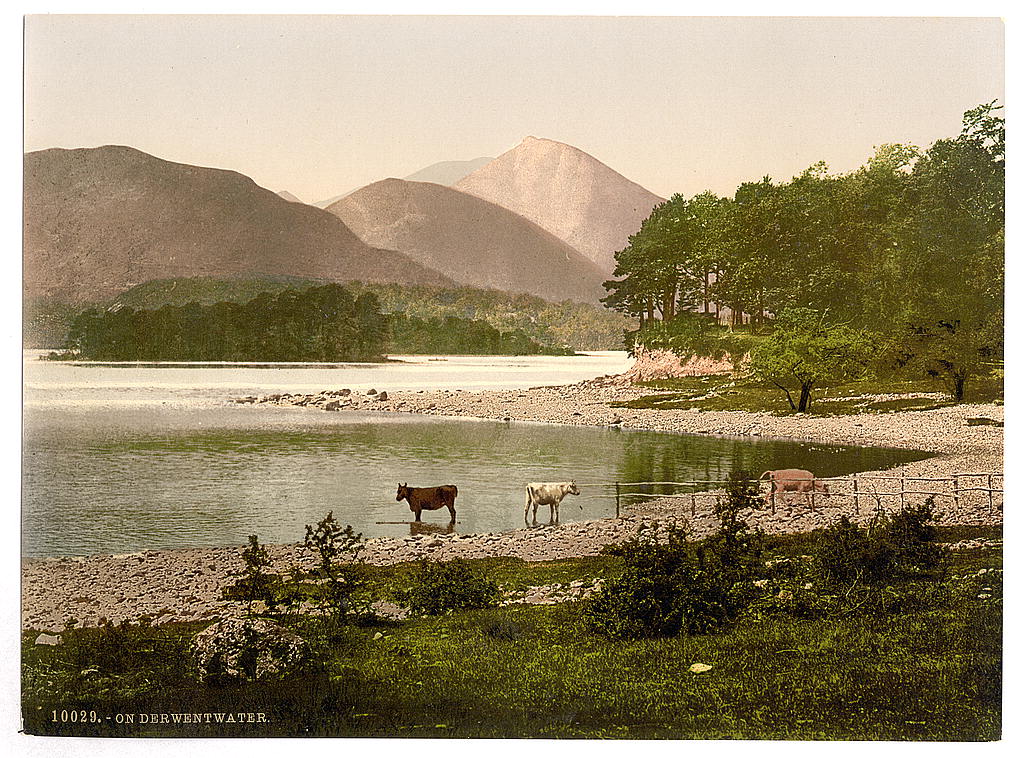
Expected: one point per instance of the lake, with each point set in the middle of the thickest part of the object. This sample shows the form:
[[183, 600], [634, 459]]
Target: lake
[[122, 459]]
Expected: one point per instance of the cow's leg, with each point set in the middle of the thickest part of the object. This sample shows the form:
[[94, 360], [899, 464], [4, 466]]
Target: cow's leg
[[526, 510], [451, 509], [418, 512]]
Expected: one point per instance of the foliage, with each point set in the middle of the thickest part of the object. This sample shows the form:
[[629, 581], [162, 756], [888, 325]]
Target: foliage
[[892, 547], [443, 587], [909, 248], [452, 335], [673, 586], [694, 335], [255, 584], [565, 325], [805, 352], [322, 324], [337, 593]]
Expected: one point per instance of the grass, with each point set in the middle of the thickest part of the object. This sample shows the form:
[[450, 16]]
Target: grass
[[722, 392], [932, 673]]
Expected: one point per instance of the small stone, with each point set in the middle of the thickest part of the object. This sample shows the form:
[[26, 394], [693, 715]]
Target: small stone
[[48, 639], [699, 668]]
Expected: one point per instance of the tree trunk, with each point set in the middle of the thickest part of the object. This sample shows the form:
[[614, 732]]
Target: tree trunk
[[707, 276], [805, 397], [959, 380]]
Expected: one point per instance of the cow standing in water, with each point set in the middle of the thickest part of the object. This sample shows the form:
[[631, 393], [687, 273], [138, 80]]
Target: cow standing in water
[[794, 480], [550, 494], [429, 498]]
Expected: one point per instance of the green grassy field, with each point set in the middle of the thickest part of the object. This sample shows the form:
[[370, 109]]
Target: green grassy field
[[923, 671], [722, 392]]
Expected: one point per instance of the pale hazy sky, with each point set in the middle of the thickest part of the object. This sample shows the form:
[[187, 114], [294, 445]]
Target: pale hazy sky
[[319, 105]]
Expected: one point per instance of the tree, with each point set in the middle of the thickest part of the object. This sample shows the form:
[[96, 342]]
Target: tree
[[805, 352], [949, 256]]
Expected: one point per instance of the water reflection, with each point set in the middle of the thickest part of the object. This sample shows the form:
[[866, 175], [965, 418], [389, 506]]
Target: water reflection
[[421, 527], [116, 481]]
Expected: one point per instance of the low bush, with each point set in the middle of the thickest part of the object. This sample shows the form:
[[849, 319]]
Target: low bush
[[673, 586], [890, 548], [441, 587]]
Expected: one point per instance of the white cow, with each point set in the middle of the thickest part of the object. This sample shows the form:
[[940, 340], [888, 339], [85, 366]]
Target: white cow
[[550, 494]]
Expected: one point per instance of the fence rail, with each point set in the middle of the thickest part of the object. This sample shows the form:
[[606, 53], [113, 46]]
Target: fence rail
[[958, 487]]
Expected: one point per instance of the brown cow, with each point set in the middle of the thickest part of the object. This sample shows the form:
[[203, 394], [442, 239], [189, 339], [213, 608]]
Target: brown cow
[[429, 498], [794, 480]]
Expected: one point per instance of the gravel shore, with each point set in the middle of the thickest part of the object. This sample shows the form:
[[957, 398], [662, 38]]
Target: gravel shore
[[184, 585]]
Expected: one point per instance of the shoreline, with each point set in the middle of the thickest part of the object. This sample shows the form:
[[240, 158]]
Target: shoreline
[[184, 585]]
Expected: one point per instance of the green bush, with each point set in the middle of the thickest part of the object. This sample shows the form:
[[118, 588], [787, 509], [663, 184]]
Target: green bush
[[441, 587], [339, 583], [674, 586], [255, 584], [890, 548]]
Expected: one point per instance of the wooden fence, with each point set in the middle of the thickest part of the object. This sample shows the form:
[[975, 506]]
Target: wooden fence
[[858, 487]]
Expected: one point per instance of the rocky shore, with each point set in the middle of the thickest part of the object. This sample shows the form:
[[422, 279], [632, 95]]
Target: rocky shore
[[185, 585]]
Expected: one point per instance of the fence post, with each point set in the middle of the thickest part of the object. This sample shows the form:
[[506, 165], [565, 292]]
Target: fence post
[[990, 494], [616, 499], [903, 493], [956, 493], [814, 482], [856, 498], [693, 504]]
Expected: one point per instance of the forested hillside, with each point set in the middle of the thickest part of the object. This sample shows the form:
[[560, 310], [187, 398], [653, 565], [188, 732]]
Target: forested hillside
[[577, 326], [316, 324]]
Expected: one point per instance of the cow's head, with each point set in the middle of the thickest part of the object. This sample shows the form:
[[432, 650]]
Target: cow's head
[[403, 491], [823, 487], [574, 490]]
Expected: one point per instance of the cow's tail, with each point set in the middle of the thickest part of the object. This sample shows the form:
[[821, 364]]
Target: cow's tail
[[455, 490]]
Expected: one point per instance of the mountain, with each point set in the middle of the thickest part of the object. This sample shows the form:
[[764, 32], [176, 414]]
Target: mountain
[[468, 239], [568, 192], [445, 172], [100, 220], [288, 196]]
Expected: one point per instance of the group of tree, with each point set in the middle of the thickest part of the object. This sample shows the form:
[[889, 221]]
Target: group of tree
[[317, 324], [901, 259], [459, 336]]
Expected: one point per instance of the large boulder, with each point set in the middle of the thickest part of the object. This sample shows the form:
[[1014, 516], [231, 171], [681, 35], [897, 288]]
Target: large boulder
[[247, 649]]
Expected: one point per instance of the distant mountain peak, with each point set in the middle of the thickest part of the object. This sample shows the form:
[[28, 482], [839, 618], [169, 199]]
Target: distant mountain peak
[[568, 192]]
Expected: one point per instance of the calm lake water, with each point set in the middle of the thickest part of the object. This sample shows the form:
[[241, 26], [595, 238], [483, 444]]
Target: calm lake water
[[118, 460]]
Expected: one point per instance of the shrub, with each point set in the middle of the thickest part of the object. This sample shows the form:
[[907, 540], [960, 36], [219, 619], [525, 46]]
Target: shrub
[[255, 584], [890, 548], [440, 587], [675, 586], [339, 581]]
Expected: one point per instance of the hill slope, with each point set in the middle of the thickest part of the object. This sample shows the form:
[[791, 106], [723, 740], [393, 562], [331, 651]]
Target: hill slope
[[100, 220], [573, 195], [468, 239], [445, 172]]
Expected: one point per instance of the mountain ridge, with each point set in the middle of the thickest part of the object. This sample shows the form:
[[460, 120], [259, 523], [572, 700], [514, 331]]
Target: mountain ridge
[[100, 220], [473, 241]]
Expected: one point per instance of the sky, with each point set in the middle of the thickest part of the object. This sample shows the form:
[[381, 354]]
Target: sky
[[320, 105]]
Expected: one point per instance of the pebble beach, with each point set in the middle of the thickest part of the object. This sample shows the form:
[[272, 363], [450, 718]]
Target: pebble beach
[[185, 585]]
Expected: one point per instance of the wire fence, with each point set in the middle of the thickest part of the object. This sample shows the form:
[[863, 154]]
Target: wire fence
[[878, 490]]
